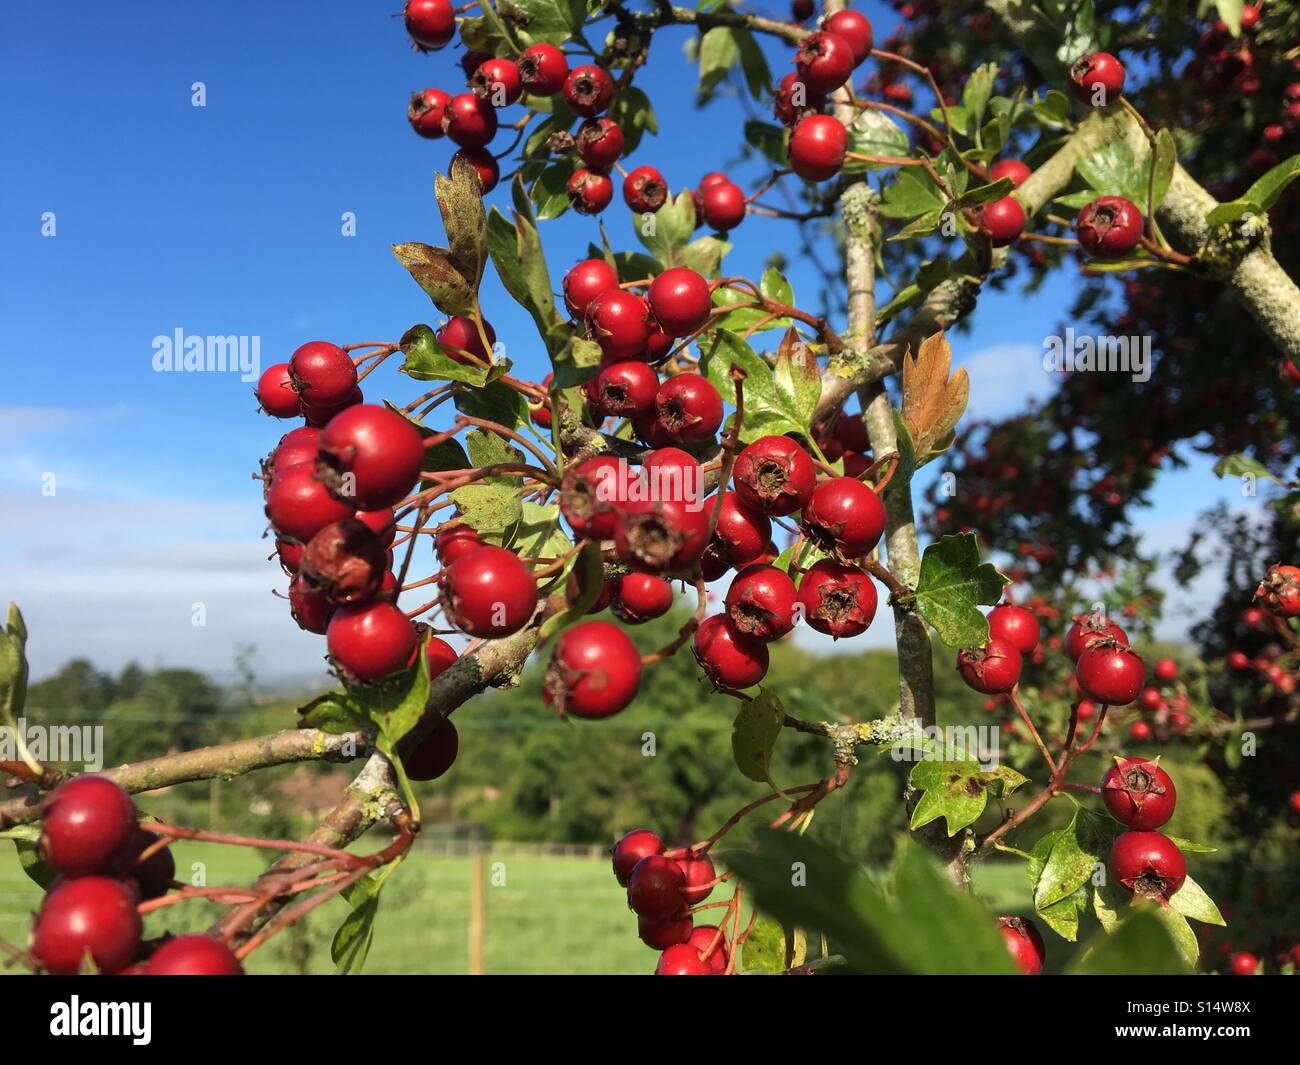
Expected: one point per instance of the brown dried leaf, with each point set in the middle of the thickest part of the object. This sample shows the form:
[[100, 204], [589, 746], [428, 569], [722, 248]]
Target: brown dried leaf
[[932, 401]]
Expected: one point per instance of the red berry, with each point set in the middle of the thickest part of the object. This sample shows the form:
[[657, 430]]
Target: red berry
[[666, 933], [459, 339], [663, 535], [656, 888], [728, 657], [774, 476], [431, 23], [824, 60], [588, 90], [620, 324], [275, 392], [1166, 670], [371, 456], [761, 602], [1141, 731], [682, 960], [817, 147], [793, 100], [469, 120], [743, 533], [645, 190], [1279, 592], [440, 655], [1024, 944], [1243, 963], [845, 516], [1238, 660], [851, 433], [155, 874], [673, 474], [1150, 699], [1097, 79], [425, 112], [585, 282], [319, 415], [484, 164], [688, 409], [641, 597], [991, 669], [627, 388], [600, 143], [837, 600], [323, 374], [590, 494], [433, 755], [542, 69], [1249, 17], [371, 641], [497, 81], [299, 506], [700, 875], [721, 204], [854, 28], [680, 301], [93, 915], [1109, 673], [1004, 219], [310, 608], [1014, 169], [1138, 793], [1016, 625], [345, 562], [84, 824], [193, 955], [595, 670], [1109, 227], [702, 939], [489, 593], [453, 542], [1087, 630], [1148, 863], [637, 844], [297, 453]]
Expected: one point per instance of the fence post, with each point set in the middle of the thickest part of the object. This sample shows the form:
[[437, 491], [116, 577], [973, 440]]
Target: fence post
[[477, 911]]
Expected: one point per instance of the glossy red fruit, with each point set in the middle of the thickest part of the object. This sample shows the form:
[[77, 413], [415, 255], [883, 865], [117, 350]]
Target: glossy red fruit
[[497, 81], [454, 542], [589, 191], [485, 166], [431, 23], [84, 824], [93, 915], [837, 600], [1166, 670], [382, 522], [1150, 699], [310, 608], [433, 755], [1238, 660], [1138, 793], [371, 641], [656, 888], [588, 90], [440, 655], [1250, 16], [1024, 944], [1242, 962], [645, 190], [1016, 625], [322, 373], [817, 147], [319, 415], [845, 516], [370, 456], [774, 476], [673, 474], [469, 120], [721, 205], [1110, 673], [1109, 227], [600, 143], [345, 562], [1014, 169], [700, 875], [662, 535], [1141, 731], [489, 593], [742, 532], [591, 495], [761, 602], [155, 874], [1004, 219], [666, 933], [637, 844], [688, 409], [728, 657], [595, 671], [702, 939], [298, 453], [991, 669], [627, 388], [542, 69], [587, 281], [854, 27], [824, 60], [794, 100], [620, 324], [193, 955], [1097, 79], [682, 960], [299, 506], [1148, 863], [1279, 591], [425, 112], [680, 301], [1087, 630], [641, 597], [275, 392], [459, 339], [851, 432]]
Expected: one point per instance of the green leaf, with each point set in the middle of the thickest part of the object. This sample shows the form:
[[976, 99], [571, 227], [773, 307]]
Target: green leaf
[[953, 584], [1063, 862], [550, 192], [718, 50], [906, 455], [1112, 170], [875, 133], [460, 199], [769, 139], [797, 379], [975, 95], [489, 508], [425, 360], [911, 195], [1244, 466], [1163, 159], [704, 255], [666, 232], [1053, 110], [577, 363], [1140, 946], [352, 939], [13, 665], [1233, 211], [589, 573], [27, 842], [1191, 901], [928, 276], [436, 272], [957, 791], [983, 194], [764, 948], [549, 21], [635, 116], [1268, 188], [494, 402], [753, 64], [539, 534], [754, 734], [333, 712]]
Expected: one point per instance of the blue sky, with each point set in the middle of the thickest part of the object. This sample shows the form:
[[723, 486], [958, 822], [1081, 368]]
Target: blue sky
[[226, 219]]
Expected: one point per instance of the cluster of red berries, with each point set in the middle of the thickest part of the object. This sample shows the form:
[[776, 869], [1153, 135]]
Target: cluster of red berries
[[107, 865], [662, 887], [1141, 797]]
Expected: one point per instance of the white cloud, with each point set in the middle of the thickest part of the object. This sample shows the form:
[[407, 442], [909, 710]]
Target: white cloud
[[1003, 377]]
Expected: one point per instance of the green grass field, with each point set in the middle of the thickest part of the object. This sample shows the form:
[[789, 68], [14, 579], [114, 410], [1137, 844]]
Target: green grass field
[[543, 914]]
